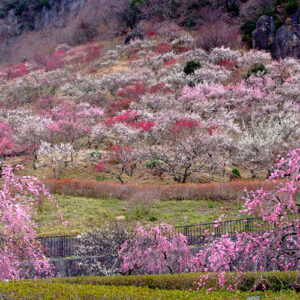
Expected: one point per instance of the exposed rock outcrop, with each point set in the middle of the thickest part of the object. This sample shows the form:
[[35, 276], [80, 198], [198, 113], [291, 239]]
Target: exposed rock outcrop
[[285, 42], [34, 15], [264, 34]]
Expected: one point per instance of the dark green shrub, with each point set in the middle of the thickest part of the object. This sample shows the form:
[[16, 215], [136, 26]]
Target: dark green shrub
[[101, 178], [194, 6], [42, 4], [3, 13], [247, 29], [133, 3], [19, 6], [254, 71], [233, 8], [236, 172], [291, 7], [30, 25], [152, 163], [153, 219], [191, 67], [278, 22], [190, 23]]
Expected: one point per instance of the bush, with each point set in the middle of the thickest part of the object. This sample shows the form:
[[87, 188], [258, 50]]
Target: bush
[[291, 7], [247, 29], [256, 70], [191, 67], [41, 4], [233, 8], [190, 22], [236, 172], [152, 163], [275, 280], [43, 290]]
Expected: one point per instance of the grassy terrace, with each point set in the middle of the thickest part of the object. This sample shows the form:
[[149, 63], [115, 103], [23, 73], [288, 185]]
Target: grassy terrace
[[85, 213]]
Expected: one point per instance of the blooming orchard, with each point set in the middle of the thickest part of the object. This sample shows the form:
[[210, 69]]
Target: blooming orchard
[[201, 122]]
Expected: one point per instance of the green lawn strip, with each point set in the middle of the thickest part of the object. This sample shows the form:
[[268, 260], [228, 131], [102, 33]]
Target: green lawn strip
[[83, 213], [274, 280], [44, 290]]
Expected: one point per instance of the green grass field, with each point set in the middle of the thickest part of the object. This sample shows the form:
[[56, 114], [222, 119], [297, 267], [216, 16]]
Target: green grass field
[[85, 213]]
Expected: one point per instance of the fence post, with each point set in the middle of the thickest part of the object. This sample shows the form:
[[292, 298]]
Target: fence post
[[247, 227]]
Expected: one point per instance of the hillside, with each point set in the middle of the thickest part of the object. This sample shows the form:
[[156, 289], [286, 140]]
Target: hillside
[[159, 108], [31, 27]]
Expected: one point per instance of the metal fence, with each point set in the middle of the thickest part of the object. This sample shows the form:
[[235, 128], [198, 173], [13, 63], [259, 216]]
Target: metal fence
[[197, 234], [58, 246]]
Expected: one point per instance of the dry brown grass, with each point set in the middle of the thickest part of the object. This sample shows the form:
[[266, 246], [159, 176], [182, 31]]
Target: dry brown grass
[[210, 191]]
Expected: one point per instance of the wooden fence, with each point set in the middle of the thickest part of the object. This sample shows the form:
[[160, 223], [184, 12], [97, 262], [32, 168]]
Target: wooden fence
[[197, 234]]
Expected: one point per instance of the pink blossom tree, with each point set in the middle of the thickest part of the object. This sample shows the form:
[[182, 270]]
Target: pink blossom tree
[[154, 251], [262, 250], [71, 122], [6, 139], [21, 255], [119, 160]]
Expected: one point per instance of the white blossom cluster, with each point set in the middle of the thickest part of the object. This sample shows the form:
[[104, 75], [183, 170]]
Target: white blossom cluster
[[224, 54]]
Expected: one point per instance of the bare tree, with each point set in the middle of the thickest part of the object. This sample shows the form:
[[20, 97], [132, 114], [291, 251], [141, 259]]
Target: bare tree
[[216, 30]]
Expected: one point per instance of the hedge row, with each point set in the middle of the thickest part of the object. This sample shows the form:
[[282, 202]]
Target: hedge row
[[44, 290], [190, 191], [275, 281]]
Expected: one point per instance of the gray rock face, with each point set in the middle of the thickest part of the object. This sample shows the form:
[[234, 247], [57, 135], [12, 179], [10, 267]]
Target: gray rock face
[[264, 34], [285, 42], [296, 17], [57, 14]]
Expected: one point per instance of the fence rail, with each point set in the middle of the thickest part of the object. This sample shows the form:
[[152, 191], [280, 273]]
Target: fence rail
[[58, 246], [197, 234]]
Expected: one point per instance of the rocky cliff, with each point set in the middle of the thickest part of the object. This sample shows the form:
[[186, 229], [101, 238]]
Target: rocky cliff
[[284, 42], [17, 16]]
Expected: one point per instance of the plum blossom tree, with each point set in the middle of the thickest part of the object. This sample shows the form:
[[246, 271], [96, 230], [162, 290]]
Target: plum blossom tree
[[263, 139], [21, 254], [70, 122], [164, 250], [274, 249], [119, 160], [105, 243], [188, 146], [6, 139], [31, 133], [60, 155]]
